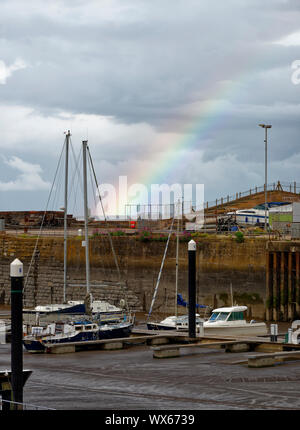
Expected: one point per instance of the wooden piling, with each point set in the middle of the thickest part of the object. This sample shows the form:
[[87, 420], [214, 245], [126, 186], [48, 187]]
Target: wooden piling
[[283, 285], [276, 295], [281, 308], [269, 286], [297, 285], [290, 288]]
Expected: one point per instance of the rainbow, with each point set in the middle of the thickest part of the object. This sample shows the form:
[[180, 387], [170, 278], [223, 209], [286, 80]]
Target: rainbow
[[177, 151]]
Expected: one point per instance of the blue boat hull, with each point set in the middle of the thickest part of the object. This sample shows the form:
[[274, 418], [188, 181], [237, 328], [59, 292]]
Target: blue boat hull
[[32, 344], [76, 310]]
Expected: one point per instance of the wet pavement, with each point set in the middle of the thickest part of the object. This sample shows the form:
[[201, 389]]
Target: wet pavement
[[128, 379]]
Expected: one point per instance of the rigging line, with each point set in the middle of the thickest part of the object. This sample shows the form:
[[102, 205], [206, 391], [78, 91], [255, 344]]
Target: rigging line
[[78, 184], [76, 170], [100, 236], [108, 232], [105, 219], [57, 190], [92, 183], [161, 268], [95, 202], [43, 219]]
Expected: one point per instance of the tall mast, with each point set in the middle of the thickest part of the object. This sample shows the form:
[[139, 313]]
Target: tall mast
[[66, 211], [177, 250], [87, 263]]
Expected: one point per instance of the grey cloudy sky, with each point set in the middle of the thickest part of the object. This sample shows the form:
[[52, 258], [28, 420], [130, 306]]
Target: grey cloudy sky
[[165, 90]]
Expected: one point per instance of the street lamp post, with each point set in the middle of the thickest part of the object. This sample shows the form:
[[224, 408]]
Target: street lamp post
[[265, 126]]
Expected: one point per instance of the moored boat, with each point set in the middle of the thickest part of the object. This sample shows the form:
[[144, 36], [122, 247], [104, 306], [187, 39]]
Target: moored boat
[[231, 321], [75, 307], [77, 331], [174, 323]]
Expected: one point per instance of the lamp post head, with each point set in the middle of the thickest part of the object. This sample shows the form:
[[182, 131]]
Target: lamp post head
[[265, 125]]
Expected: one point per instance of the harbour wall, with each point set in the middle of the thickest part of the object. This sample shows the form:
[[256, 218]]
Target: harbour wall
[[221, 262]]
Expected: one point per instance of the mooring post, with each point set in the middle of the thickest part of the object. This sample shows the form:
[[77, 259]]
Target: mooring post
[[192, 288], [273, 332], [16, 274]]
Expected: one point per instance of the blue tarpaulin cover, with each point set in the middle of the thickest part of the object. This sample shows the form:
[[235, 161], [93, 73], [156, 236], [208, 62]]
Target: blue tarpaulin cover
[[181, 302]]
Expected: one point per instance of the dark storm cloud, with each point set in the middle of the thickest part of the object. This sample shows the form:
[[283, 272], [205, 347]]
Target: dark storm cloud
[[135, 67], [148, 67]]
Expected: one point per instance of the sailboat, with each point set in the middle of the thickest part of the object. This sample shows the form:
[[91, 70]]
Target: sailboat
[[173, 322], [176, 322], [109, 312], [83, 329]]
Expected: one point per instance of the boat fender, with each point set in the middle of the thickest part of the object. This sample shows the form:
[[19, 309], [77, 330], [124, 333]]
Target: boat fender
[[122, 303]]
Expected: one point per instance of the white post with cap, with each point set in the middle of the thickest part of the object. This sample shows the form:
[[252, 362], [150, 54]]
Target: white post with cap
[[16, 275], [192, 287]]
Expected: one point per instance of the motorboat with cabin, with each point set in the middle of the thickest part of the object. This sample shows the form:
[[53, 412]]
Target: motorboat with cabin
[[231, 321]]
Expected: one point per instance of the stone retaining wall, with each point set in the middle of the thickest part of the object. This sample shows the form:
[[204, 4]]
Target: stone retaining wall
[[220, 262]]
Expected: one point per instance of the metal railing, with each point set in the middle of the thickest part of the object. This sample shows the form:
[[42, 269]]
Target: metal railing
[[166, 211], [291, 187], [157, 212], [8, 404]]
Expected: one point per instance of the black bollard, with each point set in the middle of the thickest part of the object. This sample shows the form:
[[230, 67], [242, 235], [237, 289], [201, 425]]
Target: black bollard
[[16, 274], [192, 288]]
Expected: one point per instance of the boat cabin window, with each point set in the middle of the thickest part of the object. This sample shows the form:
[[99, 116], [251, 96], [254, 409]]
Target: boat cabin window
[[222, 316], [236, 316], [214, 316], [218, 316], [78, 327], [88, 327]]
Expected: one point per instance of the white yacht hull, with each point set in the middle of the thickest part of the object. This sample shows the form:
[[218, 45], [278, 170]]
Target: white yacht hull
[[255, 329]]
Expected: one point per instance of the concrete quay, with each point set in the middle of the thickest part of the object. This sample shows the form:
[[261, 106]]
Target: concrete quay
[[169, 344], [130, 379]]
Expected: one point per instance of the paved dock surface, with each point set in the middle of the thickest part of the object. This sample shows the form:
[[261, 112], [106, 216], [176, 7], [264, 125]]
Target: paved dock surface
[[132, 379]]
